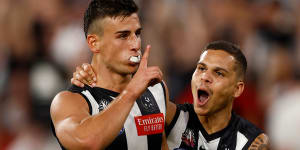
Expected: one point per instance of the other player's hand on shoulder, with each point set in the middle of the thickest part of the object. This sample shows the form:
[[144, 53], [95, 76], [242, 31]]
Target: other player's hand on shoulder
[[261, 142], [84, 74]]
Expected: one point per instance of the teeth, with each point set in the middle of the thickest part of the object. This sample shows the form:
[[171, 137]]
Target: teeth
[[135, 59]]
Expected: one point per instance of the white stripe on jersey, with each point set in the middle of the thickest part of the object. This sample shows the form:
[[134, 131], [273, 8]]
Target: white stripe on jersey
[[174, 138], [93, 102], [212, 145], [157, 91], [134, 142], [241, 140], [133, 138], [130, 127]]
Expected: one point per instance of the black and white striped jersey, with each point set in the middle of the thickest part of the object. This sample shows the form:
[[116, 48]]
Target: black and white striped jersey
[[143, 127], [187, 132]]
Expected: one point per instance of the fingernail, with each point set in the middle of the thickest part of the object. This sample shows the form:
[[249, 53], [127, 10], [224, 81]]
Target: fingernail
[[94, 84], [94, 79]]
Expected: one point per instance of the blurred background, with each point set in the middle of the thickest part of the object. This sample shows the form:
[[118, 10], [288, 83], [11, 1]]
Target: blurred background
[[41, 42]]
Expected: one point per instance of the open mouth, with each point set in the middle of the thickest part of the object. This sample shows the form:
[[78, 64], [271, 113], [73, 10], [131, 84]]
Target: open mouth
[[202, 96], [135, 59]]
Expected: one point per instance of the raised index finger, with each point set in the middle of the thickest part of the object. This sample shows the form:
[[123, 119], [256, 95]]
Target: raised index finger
[[144, 60]]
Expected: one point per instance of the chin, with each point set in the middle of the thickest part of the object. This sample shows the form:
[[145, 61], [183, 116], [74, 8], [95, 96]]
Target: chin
[[133, 71], [201, 111], [130, 70]]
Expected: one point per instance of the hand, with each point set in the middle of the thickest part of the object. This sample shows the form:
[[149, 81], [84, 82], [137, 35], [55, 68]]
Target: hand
[[145, 76], [84, 74]]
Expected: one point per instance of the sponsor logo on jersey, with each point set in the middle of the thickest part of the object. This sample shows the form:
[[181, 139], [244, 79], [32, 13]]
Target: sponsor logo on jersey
[[149, 124]]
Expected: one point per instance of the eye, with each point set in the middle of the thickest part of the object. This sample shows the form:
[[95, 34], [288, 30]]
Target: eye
[[201, 68], [220, 73], [138, 33], [123, 35]]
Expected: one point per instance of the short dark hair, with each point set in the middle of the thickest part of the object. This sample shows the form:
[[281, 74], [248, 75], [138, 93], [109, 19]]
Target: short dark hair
[[233, 50], [99, 9]]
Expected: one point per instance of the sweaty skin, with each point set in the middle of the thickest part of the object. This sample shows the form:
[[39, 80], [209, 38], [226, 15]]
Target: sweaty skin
[[214, 73], [74, 126]]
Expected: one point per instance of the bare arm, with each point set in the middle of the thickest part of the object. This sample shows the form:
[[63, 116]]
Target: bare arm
[[164, 145], [171, 107], [76, 129], [261, 142]]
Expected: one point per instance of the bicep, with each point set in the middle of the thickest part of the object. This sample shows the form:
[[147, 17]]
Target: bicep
[[261, 142], [67, 111]]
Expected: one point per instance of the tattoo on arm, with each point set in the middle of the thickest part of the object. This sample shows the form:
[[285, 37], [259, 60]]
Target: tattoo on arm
[[260, 143]]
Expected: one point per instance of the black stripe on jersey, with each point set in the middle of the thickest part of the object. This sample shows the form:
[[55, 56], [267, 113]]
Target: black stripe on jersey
[[173, 122], [76, 89], [165, 95], [248, 129], [120, 142], [101, 92], [148, 105]]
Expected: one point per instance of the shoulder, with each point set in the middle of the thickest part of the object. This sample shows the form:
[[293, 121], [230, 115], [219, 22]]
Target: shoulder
[[77, 89], [65, 97], [249, 130], [261, 142], [185, 107], [182, 112], [180, 117], [179, 111], [65, 103], [246, 127]]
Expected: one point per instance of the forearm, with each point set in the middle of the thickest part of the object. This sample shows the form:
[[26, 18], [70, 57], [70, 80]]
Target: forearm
[[98, 131]]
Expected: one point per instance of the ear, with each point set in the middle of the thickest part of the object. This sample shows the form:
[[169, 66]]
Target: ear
[[93, 42], [239, 89]]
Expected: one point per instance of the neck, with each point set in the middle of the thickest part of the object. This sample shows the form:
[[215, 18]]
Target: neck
[[109, 79], [216, 121]]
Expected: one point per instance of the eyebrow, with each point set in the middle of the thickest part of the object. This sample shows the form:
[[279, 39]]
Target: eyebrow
[[128, 31], [200, 63], [124, 31], [217, 68]]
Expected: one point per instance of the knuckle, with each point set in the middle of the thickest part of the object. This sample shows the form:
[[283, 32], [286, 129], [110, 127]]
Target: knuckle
[[82, 73], [79, 77]]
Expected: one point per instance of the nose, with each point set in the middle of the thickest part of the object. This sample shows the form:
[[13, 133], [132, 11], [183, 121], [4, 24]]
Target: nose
[[206, 77], [135, 43]]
